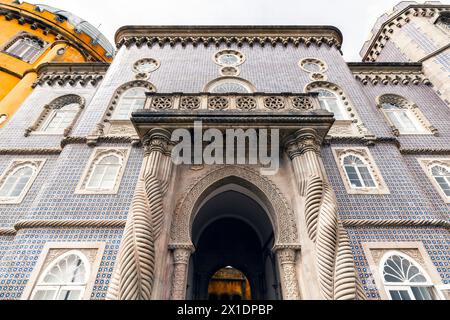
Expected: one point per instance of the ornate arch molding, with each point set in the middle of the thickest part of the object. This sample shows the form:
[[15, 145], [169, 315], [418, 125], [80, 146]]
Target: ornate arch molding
[[237, 80], [23, 35], [279, 212], [404, 103], [339, 130], [58, 103]]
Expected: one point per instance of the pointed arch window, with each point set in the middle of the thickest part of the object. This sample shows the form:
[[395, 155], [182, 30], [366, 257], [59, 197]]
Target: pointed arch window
[[331, 102], [104, 171], [64, 279], [441, 174], [17, 180], [404, 116], [58, 117], [404, 279], [131, 100], [358, 172]]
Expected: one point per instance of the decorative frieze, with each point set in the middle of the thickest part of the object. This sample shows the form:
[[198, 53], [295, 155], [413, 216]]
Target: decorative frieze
[[236, 102], [389, 73], [61, 74], [229, 35]]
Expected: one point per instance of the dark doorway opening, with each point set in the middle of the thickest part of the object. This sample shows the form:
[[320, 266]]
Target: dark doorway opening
[[233, 237]]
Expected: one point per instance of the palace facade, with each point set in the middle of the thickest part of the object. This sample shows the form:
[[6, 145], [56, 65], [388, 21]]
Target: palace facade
[[92, 205]]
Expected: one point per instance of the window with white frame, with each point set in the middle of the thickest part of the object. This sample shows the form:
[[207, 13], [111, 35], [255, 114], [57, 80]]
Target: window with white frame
[[358, 172], [229, 84], [331, 102], [26, 47], [60, 119], [64, 279], [104, 171], [131, 100], [17, 180], [404, 117], [441, 174], [404, 279]]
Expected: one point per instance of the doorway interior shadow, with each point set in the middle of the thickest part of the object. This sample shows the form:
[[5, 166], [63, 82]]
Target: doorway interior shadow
[[233, 237]]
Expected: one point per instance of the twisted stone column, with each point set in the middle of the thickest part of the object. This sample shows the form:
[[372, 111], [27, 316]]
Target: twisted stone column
[[134, 273], [287, 256], [334, 259], [181, 256]]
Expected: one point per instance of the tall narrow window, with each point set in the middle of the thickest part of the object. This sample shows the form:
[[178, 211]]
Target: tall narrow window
[[358, 172], [329, 101], [60, 119], [105, 173], [441, 175], [26, 48], [401, 118], [65, 279], [130, 101], [16, 182], [404, 279]]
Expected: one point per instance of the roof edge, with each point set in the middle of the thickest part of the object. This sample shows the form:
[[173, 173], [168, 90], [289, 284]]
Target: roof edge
[[209, 31]]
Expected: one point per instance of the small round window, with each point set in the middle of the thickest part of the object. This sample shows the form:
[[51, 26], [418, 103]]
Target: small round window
[[229, 58], [313, 65], [146, 65]]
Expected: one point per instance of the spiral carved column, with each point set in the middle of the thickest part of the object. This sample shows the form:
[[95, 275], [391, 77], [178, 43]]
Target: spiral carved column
[[334, 259], [134, 273], [181, 256], [287, 256]]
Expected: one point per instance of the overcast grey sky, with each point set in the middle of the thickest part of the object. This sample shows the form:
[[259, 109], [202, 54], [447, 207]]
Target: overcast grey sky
[[354, 18]]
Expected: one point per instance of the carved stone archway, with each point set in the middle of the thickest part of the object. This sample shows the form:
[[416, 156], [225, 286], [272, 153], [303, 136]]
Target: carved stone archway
[[278, 209]]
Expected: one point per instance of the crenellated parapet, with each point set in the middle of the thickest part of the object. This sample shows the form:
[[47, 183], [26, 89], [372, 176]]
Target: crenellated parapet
[[389, 73], [229, 35], [60, 74]]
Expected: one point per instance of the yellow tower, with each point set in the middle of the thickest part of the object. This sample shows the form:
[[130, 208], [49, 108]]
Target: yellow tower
[[31, 35]]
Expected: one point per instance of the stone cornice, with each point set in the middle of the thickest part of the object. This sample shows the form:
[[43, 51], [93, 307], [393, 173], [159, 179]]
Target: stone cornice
[[428, 151], [30, 151], [216, 35], [71, 73], [398, 223], [375, 44], [389, 73]]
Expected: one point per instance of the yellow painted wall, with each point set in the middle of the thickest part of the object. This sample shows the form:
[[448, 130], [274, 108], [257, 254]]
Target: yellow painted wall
[[15, 86]]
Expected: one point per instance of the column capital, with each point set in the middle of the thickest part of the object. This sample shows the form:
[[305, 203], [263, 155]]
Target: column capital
[[302, 141], [182, 253], [158, 140], [286, 253]]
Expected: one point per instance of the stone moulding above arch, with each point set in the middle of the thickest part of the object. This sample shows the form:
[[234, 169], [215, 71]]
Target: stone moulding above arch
[[279, 211]]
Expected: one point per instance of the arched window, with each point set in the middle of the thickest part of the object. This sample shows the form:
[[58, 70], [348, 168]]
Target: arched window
[[403, 115], [443, 22], [131, 100], [404, 279], [26, 47], [60, 119], [441, 175], [16, 182], [331, 102], [64, 279], [105, 173], [358, 172], [59, 116], [228, 85]]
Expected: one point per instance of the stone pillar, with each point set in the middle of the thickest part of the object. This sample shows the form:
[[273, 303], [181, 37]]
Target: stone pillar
[[331, 251], [181, 256], [287, 256], [135, 270]]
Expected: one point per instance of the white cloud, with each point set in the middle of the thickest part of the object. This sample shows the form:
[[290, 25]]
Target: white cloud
[[354, 18]]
